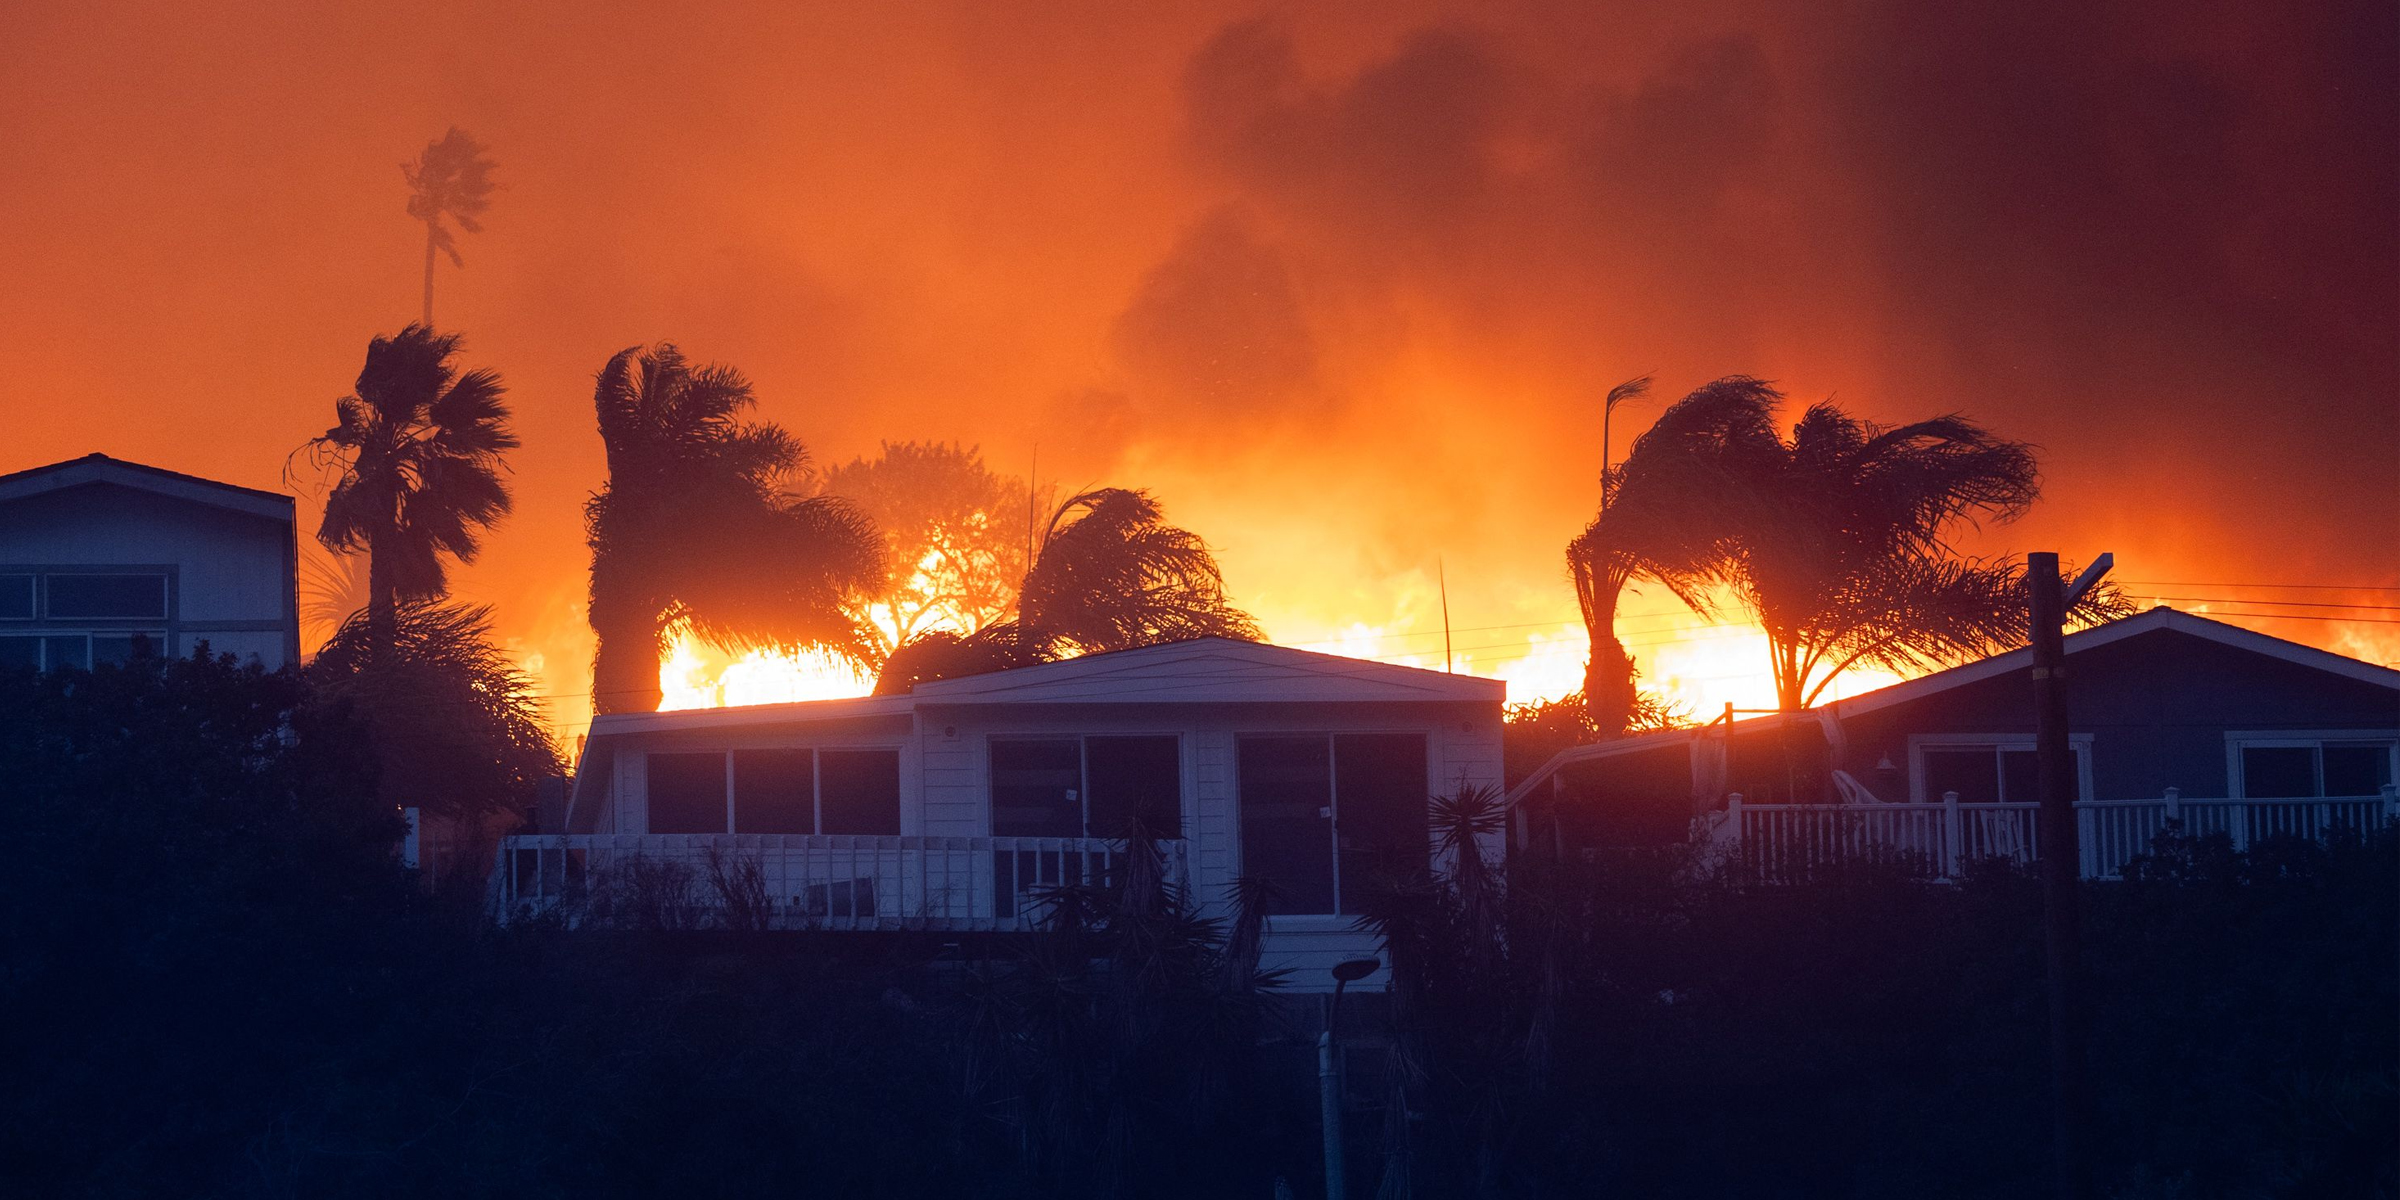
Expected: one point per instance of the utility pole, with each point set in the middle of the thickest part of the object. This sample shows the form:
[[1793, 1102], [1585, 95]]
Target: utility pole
[[1442, 573], [2061, 862]]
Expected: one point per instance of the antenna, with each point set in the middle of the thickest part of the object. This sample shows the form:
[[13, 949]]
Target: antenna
[[1031, 475], [1442, 575]]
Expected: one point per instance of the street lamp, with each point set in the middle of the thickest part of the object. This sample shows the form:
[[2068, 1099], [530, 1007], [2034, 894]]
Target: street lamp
[[1329, 1074]]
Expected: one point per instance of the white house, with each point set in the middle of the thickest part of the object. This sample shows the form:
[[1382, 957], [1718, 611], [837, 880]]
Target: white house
[[96, 552], [951, 807]]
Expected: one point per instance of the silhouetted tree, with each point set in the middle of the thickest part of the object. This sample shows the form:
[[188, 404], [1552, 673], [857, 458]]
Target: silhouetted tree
[[451, 179], [418, 447], [699, 523], [458, 729], [953, 536], [1663, 518], [1109, 574]]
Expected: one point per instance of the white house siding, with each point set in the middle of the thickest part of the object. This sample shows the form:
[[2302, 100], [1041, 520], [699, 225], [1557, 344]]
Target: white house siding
[[230, 572]]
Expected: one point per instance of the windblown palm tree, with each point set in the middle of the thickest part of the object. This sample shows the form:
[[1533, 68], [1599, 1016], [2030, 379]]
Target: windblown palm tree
[[1844, 551], [1663, 519], [1108, 574], [419, 448], [451, 179], [1836, 541], [699, 524]]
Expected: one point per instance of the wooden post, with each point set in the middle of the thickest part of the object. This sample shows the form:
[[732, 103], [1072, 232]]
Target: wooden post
[[1953, 836], [2060, 860]]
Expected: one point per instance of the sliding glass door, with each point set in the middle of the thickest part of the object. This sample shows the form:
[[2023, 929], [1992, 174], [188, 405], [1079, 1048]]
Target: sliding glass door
[[1328, 819]]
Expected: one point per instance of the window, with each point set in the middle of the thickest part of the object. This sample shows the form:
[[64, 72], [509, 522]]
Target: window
[[779, 791], [1988, 771], [1099, 786], [2295, 768], [774, 791], [106, 597], [687, 793], [16, 597], [1326, 819], [858, 791], [58, 651]]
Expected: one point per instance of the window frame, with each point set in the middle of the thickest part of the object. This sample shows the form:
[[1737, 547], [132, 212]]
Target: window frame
[[1919, 743], [42, 637], [2237, 784], [1083, 773], [1337, 919]]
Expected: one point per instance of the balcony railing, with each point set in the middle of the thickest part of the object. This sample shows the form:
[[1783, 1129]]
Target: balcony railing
[[825, 881], [1790, 842]]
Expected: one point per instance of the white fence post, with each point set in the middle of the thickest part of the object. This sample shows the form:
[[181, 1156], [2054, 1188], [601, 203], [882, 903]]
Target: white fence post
[[2175, 804], [2391, 801], [1733, 822], [1953, 835]]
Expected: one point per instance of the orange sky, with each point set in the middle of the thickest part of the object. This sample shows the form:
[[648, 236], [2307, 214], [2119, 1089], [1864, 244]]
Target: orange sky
[[1340, 282]]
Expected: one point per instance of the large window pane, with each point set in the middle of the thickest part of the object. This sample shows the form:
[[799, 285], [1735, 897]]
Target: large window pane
[[1037, 789], [774, 791], [1135, 781], [2274, 771], [1973, 773], [1380, 797], [1286, 799], [859, 791], [125, 647], [2357, 768], [16, 597], [687, 793], [109, 597], [21, 652], [66, 650], [2020, 777]]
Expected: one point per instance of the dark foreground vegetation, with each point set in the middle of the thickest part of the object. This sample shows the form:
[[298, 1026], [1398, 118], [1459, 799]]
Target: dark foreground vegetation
[[218, 982]]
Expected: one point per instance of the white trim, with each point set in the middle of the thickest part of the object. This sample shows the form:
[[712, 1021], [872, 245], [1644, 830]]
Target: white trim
[[1918, 743]]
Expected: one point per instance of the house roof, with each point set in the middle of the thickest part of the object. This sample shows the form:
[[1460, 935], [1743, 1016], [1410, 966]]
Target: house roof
[[1211, 670], [2151, 621], [101, 469]]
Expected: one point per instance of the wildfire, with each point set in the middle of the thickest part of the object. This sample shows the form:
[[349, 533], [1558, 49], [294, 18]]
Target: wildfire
[[696, 675]]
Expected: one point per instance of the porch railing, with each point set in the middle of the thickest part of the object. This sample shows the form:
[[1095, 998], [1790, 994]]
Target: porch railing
[[1787, 842], [823, 881]]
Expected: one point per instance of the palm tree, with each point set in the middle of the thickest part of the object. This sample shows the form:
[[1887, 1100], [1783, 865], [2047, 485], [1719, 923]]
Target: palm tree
[[1836, 541], [1844, 553], [453, 179], [1108, 574], [1661, 519], [419, 447], [698, 524]]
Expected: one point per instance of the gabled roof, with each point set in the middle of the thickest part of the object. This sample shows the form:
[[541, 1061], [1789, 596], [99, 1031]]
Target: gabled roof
[[2151, 621], [1211, 670], [100, 468]]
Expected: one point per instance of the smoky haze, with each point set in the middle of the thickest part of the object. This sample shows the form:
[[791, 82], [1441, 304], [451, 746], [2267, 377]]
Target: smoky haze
[[1343, 284]]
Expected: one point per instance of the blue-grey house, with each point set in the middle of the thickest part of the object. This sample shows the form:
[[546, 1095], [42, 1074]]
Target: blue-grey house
[[2173, 717]]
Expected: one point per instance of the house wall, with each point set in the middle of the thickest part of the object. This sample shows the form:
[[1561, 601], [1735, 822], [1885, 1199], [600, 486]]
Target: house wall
[[2156, 706], [231, 573], [945, 779]]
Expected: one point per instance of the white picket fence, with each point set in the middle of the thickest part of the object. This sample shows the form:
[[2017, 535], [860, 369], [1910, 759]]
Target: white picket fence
[[823, 881], [1789, 842]]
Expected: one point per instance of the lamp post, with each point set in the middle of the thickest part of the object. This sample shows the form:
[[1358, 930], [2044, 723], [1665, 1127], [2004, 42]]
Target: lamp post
[[1329, 1075]]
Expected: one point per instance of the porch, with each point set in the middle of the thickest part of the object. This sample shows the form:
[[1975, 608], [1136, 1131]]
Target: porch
[[1784, 843], [795, 881]]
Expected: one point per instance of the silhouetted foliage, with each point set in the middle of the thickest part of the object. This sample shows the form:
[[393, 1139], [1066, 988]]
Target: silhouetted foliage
[[220, 983], [458, 730], [417, 447], [451, 180], [703, 522], [1109, 574], [1533, 730], [956, 537]]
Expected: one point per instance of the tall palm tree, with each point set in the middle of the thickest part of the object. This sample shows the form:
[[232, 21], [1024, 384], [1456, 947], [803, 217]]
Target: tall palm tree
[[1662, 519], [419, 448], [452, 179], [1108, 573], [699, 523]]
